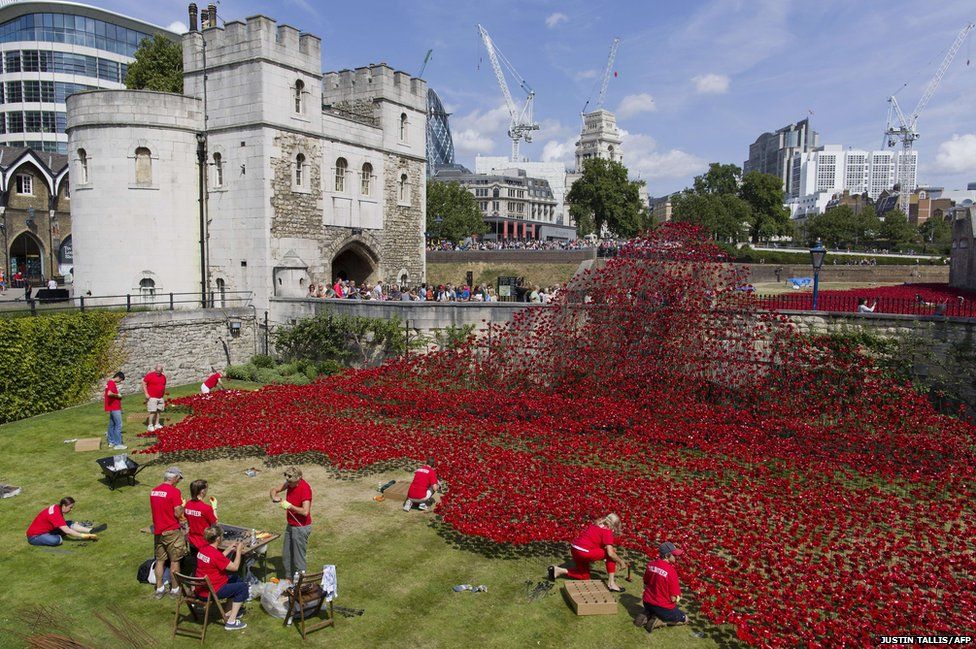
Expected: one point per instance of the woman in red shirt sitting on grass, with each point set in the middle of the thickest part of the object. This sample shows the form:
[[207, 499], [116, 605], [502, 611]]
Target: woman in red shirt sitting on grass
[[594, 544], [213, 563]]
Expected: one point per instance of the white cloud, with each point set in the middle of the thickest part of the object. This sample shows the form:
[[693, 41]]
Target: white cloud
[[555, 19], [177, 26], [560, 151], [711, 83], [635, 105], [476, 131], [587, 74], [642, 158], [957, 155]]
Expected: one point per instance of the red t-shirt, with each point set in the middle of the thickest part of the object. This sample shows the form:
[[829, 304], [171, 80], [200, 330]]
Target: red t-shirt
[[48, 520], [296, 496], [593, 538], [661, 584], [199, 516], [163, 500], [212, 380], [212, 563], [338, 290], [155, 384], [112, 403], [423, 479]]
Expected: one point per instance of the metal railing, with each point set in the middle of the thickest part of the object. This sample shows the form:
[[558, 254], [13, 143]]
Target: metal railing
[[41, 303], [949, 308]]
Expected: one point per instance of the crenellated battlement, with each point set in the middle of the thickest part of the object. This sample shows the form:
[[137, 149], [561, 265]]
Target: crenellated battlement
[[376, 82], [259, 37]]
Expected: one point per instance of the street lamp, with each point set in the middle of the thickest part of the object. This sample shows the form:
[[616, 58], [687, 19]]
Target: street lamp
[[817, 254]]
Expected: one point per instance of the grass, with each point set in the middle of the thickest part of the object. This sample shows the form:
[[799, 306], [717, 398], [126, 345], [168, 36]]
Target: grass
[[488, 273], [398, 567]]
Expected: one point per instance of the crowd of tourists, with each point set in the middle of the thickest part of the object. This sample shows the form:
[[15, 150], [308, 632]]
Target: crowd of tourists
[[521, 244], [350, 290]]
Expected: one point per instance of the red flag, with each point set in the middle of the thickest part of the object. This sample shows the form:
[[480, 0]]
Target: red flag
[[614, 74]]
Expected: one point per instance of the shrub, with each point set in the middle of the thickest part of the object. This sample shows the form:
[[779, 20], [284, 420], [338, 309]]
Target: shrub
[[53, 361], [349, 340], [261, 360], [241, 372]]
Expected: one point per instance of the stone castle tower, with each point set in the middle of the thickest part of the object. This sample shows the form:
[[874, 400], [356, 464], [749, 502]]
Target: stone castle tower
[[600, 138], [309, 176]]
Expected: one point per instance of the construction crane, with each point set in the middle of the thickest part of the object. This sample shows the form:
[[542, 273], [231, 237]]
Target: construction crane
[[606, 76], [521, 124], [420, 75], [905, 129]]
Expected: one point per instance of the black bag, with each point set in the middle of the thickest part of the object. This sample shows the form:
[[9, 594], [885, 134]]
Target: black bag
[[143, 573]]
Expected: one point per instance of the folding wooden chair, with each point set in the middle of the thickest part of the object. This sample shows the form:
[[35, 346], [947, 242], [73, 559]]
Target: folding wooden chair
[[300, 595], [188, 596]]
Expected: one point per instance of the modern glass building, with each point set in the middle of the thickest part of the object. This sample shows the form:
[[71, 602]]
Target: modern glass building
[[440, 144], [49, 50]]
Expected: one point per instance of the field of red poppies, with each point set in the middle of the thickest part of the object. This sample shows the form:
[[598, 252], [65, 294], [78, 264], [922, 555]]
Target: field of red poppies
[[819, 504], [907, 299]]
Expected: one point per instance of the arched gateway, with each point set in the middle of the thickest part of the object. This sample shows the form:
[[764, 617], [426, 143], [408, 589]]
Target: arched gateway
[[355, 261]]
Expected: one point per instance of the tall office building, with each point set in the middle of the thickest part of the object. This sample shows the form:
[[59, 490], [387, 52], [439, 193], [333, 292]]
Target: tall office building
[[440, 144], [52, 49], [771, 153]]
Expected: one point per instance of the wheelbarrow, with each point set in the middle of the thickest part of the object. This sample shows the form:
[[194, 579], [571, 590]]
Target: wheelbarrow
[[114, 474]]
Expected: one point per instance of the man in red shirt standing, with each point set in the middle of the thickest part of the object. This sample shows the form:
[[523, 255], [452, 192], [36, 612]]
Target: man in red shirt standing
[[298, 514], [154, 387], [50, 528], [422, 488], [212, 382], [169, 544], [661, 591], [113, 406]]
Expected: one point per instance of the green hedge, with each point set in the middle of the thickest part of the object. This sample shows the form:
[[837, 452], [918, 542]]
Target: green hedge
[[51, 362]]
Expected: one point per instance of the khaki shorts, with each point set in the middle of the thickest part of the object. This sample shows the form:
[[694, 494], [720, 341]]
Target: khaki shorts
[[171, 546], [155, 405]]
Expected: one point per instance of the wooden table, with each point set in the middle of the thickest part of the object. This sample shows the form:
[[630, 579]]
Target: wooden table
[[252, 552]]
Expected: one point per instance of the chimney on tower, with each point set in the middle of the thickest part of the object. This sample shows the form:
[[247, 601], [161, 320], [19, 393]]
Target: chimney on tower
[[213, 14], [204, 19], [193, 16]]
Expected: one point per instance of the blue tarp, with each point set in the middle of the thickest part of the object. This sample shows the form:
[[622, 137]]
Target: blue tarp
[[801, 282]]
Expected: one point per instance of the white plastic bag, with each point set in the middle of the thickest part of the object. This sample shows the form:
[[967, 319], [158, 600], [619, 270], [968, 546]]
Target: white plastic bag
[[273, 599]]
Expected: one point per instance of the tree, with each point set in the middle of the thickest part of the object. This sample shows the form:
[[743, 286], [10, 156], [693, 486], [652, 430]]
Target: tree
[[842, 225], [721, 215], [896, 229], [452, 212], [719, 179], [612, 201], [158, 66], [764, 194], [935, 231]]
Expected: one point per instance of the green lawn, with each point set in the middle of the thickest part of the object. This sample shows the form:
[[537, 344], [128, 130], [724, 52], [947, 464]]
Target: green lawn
[[398, 567]]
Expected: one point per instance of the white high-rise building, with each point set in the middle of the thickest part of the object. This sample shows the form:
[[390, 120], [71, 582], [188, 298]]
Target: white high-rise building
[[831, 169]]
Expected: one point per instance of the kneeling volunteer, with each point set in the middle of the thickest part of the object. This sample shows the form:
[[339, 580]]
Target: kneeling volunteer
[[213, 563], [422, 488], [50, 528], [661, 591]]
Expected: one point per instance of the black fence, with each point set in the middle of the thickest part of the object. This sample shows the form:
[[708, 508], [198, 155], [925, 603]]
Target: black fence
[[58, 300], [950, 307]]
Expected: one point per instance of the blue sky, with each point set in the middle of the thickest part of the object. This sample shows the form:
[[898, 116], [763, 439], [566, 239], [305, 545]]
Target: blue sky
[[697, 81]]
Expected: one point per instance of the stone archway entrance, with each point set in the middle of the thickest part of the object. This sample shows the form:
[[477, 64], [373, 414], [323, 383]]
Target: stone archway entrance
[[355, 262], [26, 256]]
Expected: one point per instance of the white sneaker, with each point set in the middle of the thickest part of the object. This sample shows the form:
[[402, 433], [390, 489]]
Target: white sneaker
[[407, 506], [422, 507], [120, 447], [158, 426], [150, 428]]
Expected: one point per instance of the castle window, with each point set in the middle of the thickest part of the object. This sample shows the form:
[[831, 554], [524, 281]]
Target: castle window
[[340, 174], [300, 170], [403, 190], [143, 166], [367, 176], [300, 97], [147, 289], [25, 184], [403, 127], [82, 167], [218, 170]]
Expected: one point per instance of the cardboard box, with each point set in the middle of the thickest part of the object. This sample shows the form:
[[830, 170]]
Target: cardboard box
[[88, 444], [590, 597], [398, 492]]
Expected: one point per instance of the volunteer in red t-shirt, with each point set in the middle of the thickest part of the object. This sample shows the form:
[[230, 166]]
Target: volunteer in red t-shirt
[[154, 387], [421, 491], [211, 382], [298, 514], [213, 563], [200, 514], [169, 544], [50, 528], [113, 406], [594, 544], [661, 591]]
